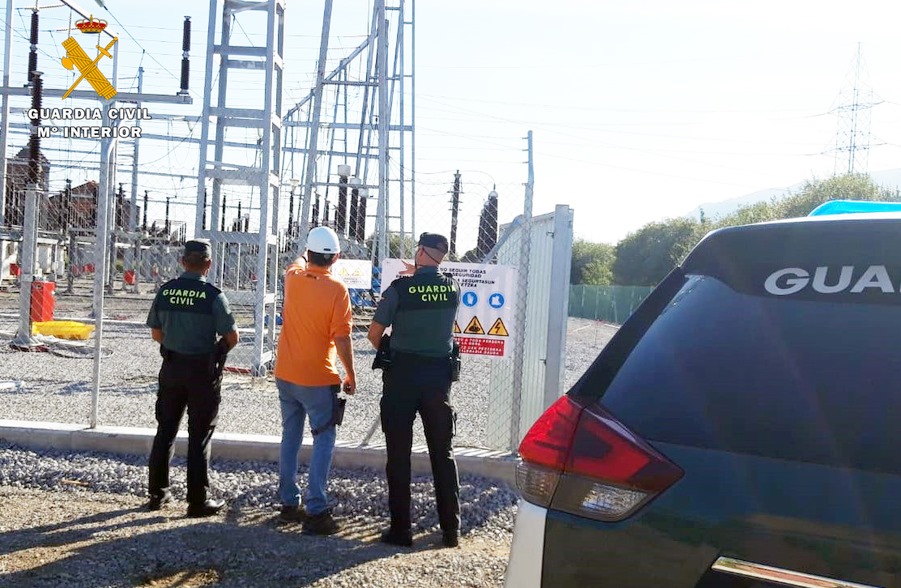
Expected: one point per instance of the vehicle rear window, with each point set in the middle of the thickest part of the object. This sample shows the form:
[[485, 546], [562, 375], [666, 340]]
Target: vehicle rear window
[[811, 380]]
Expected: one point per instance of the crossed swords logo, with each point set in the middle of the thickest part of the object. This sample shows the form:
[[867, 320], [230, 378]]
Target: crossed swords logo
[[77, 58]]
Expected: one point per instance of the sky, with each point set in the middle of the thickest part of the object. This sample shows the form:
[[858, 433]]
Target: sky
[[639, 111]]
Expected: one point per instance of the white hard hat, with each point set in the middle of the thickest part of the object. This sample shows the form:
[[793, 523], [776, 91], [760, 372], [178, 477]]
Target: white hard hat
[[323, 240]]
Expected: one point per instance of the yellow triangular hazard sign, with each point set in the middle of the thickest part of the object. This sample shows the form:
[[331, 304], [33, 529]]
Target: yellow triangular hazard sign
[[498, 329], [456, 328], [475, 327]]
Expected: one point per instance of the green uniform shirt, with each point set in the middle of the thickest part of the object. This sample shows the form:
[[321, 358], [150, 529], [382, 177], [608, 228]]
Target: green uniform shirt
[[191, 312], [420, 309]]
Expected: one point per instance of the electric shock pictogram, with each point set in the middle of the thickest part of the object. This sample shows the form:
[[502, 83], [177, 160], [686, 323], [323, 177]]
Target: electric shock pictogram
[[499, 329]]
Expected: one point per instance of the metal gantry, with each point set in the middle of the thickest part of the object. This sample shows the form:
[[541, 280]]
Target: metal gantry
[[227, 165], [379, 129]]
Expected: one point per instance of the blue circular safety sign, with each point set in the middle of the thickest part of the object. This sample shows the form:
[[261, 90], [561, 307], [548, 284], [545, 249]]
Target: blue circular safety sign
[[496, 300], [470, 298]]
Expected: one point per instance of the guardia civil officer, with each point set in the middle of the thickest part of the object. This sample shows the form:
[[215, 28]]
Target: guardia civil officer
[[186, 316], [420, 310]]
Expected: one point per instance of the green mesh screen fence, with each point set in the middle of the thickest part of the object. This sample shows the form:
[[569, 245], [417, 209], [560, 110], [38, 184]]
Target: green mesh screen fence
[[612, 304]]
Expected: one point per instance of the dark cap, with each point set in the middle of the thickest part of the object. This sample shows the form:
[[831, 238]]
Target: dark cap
[[433, 240], [201, 246]]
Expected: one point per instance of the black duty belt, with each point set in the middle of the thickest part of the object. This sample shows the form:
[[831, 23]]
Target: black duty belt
[[186, 357], [405, 357]]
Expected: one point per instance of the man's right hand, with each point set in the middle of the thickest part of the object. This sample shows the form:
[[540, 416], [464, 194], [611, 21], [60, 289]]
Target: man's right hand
[[350, 385]]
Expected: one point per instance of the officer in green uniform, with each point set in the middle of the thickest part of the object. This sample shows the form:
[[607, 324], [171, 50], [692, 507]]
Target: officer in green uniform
[[186, 316], [420, 309]]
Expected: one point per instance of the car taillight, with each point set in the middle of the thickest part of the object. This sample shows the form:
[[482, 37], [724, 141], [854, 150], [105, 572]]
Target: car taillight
[[580, 460]]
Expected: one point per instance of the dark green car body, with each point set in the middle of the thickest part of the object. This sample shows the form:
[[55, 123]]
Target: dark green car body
[[768, 368]]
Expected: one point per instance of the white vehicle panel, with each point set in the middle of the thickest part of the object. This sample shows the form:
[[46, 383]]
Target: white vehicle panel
[[527, 551]]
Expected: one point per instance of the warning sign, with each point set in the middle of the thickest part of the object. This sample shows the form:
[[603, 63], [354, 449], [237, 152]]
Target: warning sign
[[355, 273], [498, 329], [474, 327], [456, 328]]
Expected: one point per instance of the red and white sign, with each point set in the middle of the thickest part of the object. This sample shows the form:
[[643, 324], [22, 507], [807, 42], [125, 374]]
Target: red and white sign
[[481, 346]]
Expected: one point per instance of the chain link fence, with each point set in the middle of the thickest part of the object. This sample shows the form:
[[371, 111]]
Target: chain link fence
[[57, 385], [91, 230]]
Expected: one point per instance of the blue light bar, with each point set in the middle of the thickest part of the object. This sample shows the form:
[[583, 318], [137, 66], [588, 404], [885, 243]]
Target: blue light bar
[[854, 206]]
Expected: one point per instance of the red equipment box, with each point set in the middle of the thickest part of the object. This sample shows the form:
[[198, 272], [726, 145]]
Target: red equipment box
[[43, 301]]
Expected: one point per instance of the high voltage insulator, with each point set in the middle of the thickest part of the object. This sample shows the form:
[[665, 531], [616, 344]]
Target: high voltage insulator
[[361, 215], [316, 211], [353, 228], [121, 221], [168, 226], [341, 212], [33, 53], [291, 208], [67, 204], [34, 143], [185, 56]]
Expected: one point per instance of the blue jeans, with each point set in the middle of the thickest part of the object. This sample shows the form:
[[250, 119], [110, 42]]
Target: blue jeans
[[296, 403]]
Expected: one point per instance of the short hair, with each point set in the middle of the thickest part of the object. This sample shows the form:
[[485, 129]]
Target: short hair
[[195, 260], [321, 259], [435, 255]]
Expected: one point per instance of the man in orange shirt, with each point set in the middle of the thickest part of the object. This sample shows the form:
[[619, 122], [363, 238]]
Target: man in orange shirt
[[316, 327]]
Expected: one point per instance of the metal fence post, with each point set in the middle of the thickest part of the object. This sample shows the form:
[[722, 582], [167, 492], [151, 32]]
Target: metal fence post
[[522, 307]]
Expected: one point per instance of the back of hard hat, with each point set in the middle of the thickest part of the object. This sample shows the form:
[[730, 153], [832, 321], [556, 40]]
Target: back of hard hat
[[323, 240]]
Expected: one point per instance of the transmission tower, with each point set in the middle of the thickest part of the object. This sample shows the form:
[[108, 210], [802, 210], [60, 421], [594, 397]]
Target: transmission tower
[[852, 139]]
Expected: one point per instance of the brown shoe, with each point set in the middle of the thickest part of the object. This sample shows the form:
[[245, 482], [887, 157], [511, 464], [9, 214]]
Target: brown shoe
[[292, 514], [321, 524]]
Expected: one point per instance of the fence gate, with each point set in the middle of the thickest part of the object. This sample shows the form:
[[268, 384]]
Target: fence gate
[[519, 390]]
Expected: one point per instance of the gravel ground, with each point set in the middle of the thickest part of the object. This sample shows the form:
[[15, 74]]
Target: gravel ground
[[75, 519]]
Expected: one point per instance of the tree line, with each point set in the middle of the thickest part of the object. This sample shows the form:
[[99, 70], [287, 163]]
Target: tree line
[[645, 256]]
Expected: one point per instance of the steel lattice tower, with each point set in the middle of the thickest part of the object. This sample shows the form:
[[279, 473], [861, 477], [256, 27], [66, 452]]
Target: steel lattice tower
[[852, 139]]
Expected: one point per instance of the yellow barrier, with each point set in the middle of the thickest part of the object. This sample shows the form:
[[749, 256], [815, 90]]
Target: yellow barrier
[[63, 329]]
